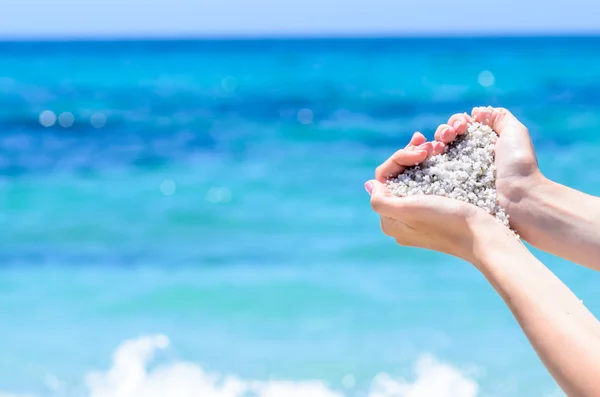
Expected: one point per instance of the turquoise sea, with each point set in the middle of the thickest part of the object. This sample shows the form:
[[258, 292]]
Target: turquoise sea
[[188, 218]]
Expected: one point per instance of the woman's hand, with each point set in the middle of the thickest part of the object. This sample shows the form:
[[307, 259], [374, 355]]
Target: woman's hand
[[550, 216], [517, 168], [430, 222]]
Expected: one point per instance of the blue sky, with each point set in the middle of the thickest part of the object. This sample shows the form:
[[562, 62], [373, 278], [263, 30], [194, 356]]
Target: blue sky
[[131, 18]]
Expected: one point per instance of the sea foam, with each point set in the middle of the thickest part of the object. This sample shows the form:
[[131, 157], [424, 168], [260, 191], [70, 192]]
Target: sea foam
[[130, 376]]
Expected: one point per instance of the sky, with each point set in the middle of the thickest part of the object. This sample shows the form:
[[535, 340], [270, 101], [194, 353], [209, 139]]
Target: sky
[[23, 19]]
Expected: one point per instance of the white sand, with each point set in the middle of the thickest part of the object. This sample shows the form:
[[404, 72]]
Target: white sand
[[466, 171]]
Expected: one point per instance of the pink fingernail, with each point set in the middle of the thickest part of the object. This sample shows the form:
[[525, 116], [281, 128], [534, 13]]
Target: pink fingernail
[[369, 187], [445, 134], [456, 125]]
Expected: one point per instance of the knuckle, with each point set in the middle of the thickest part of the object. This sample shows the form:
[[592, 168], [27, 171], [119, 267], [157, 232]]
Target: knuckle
[[402, 157], [397, 155]]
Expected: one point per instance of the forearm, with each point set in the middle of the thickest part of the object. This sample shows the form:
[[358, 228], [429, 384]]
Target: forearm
[[559, 220], [565, 335]]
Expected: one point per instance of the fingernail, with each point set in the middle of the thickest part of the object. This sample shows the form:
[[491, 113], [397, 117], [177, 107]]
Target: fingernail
[[369, 187], [456, 124], [423, 146]]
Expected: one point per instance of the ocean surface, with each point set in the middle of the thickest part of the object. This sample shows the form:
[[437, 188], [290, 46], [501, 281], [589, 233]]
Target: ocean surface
[[188, 218]]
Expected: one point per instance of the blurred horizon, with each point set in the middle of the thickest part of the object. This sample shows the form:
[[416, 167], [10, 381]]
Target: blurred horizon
[[270, 18], [300, 38]]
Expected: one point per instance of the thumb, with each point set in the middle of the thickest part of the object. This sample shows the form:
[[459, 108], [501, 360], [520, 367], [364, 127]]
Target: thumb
[[502, 121], [382, 200]]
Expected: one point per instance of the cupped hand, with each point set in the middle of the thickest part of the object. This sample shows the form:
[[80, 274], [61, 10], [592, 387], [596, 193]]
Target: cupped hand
[[516, 163], [431, 222]]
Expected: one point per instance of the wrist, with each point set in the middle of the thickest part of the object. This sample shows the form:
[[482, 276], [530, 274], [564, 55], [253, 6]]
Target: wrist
[[488, 235], [522, 201], [521, 191]]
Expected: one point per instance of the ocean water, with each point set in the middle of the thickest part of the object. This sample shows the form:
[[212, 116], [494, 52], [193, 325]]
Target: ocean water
[[187, 218]]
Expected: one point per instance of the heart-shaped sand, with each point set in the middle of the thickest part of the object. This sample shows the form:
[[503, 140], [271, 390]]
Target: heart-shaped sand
[[466, 171]]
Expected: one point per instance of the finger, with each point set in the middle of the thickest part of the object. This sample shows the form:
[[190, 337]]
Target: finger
[[460, 122], [417, 139], [445, 133], [396, 164], [499, 119], [428, 147], [382, 200], [438, 148], [403, 158]]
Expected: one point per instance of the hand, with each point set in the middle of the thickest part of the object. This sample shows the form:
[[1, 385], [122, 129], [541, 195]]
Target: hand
[[517, 168], [431, 222]]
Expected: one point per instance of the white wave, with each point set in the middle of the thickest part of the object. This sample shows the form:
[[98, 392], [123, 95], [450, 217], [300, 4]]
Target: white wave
[[129, 376]]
